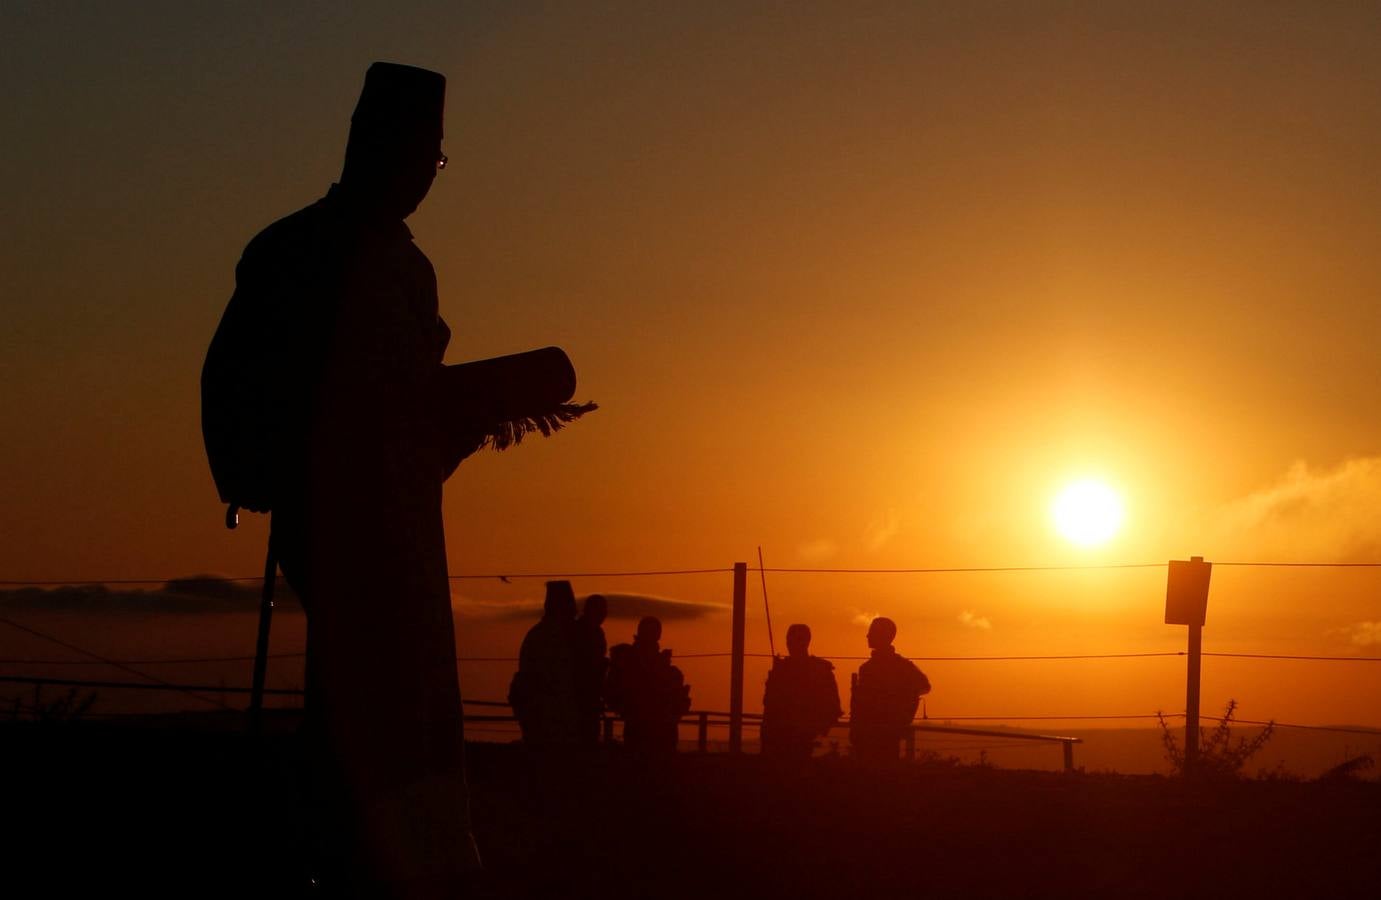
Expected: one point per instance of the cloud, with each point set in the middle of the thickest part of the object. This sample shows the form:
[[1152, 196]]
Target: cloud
[[817, 550], [862, 617], [198, 594], [969, 620], [1325, 515], [621, 606], [881, 530], [215, 594], [1363, 634]]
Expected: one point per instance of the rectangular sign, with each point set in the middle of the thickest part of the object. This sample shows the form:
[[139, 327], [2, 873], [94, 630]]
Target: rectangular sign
[[1186, 591]]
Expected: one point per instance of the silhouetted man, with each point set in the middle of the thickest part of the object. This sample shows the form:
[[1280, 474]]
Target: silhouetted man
[[801, 701], [886, 694], [333, 330], [543, 693], [647, 691], [591, 664]]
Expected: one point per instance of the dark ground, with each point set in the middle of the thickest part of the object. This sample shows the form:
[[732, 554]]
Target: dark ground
[[143, 811]]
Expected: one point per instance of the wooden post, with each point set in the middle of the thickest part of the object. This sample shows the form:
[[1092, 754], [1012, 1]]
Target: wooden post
[[702, 739], [1191, 699], [736, 660], [1069, 756], [911, 743], [1186, 603]]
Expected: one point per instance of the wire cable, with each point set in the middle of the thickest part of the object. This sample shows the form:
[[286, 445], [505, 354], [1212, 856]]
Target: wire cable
[[1019, 658], [1282, 656], [719, 570], [110, 662], [940, 719], [100, 581], [191, 660], [158, 685], [549, 575], [1373, 732], [767, 610], [763, 569], [1303, 565], [500, 576], [936, 570], [144, 662]]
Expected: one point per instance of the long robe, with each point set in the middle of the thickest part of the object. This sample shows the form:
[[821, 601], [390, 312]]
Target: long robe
[[545, 695], [341, 309]]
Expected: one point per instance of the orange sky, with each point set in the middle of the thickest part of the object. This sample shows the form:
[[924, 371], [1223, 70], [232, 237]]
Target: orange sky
[[864, 285]]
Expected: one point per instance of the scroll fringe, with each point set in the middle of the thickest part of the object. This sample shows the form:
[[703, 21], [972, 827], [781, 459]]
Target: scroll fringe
[[511, 433]]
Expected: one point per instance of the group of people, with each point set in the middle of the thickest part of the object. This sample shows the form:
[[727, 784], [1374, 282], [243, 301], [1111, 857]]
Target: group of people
[[565, 682]]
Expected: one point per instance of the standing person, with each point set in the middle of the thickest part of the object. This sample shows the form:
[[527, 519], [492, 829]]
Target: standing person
[[886, 694], [543, 693], [647, 691], [591, 665], [801, 701], [333, 339]]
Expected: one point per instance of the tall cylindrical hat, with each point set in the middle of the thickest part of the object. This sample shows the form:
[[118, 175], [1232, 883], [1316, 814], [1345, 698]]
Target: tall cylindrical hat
[[400, 102]]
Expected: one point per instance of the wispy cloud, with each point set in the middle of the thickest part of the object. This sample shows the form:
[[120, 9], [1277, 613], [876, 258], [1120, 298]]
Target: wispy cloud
[[1328, 515], [1363, 634], [193, 594], [862, 617], [817, 550], [968, 619], [881, 530], [621, 606]]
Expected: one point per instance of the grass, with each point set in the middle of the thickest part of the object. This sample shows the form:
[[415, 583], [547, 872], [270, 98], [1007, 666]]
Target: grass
[[172, 812]]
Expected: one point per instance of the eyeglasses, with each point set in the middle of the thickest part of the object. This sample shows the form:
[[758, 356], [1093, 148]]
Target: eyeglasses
[[441, 161]]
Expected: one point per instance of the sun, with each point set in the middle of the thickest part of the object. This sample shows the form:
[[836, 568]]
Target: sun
[[1088, 512]]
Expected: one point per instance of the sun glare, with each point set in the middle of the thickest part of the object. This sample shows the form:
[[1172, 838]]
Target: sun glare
[[1088, 513]]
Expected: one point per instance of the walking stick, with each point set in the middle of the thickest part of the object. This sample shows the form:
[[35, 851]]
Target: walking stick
[[261, 646]]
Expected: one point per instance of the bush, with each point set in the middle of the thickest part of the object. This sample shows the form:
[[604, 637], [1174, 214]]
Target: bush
[[66, 708], [1219, 756], [1349, 769]]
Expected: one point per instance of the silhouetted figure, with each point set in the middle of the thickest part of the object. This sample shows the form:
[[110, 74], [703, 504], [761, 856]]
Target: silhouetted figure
[[333, 333], [591, 664], [543, 692], [647, 691], [801, 701], [886, 693]]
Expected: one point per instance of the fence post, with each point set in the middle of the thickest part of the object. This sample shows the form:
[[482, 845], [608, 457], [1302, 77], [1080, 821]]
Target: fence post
[[702, 739], [1069, 756], [736, 659], [911, 743], [1191, 699]]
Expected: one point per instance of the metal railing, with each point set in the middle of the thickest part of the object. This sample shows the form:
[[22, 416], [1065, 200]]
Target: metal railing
[[705, 719]]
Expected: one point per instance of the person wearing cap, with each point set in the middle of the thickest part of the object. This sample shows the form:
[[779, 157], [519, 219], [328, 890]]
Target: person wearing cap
[[334, 320], [886, 693], [647, 691], [801, 700]]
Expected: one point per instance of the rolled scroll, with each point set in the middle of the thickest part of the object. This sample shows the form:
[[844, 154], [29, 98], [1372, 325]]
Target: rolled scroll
[[509, 397]]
